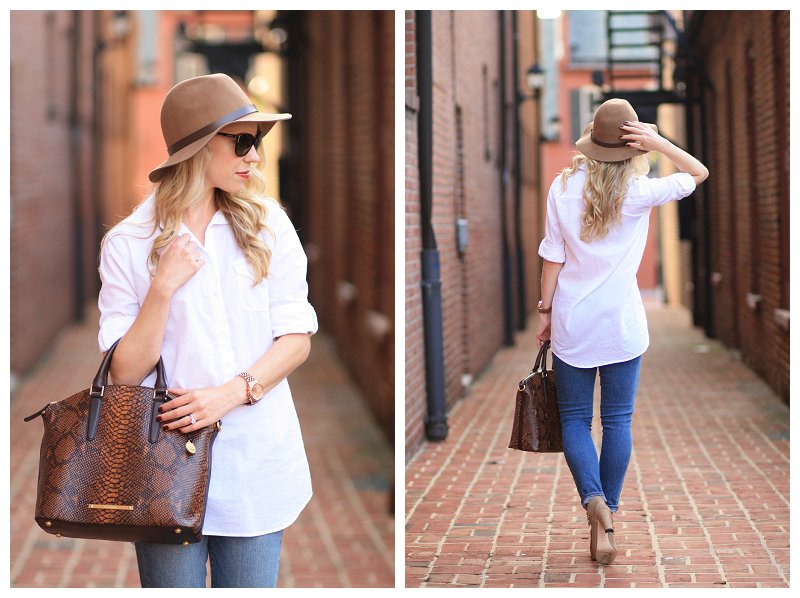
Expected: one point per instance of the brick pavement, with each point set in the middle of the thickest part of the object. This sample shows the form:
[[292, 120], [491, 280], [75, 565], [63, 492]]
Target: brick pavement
[[344, 537], [705, 501]]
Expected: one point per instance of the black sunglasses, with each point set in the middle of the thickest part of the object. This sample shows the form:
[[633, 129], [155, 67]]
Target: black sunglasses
[[244, 141]]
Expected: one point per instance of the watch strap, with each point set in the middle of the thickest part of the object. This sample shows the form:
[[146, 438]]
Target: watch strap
[[250, 380]]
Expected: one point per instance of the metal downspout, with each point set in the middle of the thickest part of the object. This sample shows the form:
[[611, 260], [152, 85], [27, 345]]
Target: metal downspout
[[702, 299], [508, 308], [436, 417], [521, 302], [708, 289], [98, 159], [75, 173]]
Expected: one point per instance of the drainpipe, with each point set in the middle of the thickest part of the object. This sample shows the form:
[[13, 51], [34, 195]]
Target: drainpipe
[[436, 418], [98, 161], [521, 303], [75, 172], [706, 282], [508, 308], [702, 302]]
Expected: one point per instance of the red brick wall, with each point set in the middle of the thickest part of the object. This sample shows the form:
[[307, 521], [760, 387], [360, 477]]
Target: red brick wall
[[472, 287], [466, 183], [745, 185], [415, 392], [45, 173], [349, 155]]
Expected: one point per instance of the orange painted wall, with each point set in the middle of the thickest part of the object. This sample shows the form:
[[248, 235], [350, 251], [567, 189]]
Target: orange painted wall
[[148, 149]]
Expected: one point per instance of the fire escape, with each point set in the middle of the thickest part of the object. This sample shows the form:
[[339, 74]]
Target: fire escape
[[650, 47], [648, 44]]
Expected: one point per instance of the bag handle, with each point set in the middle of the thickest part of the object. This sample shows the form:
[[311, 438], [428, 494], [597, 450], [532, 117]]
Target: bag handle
[[101, 379], [96, 397], [541, 359], [98, 388]]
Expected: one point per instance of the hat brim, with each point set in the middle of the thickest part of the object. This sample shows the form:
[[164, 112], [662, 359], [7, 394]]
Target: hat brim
[[190, 150], [591, 150]]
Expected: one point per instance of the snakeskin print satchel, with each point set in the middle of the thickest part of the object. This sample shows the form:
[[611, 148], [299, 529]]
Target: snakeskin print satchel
[[108, 471], [537, 424]]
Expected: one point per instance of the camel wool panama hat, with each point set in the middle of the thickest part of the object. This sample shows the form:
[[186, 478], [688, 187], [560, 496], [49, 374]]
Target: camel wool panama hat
[[196, 109], [601, 137]]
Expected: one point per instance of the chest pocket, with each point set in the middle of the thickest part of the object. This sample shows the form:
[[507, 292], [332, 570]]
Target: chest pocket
[[250, 298]]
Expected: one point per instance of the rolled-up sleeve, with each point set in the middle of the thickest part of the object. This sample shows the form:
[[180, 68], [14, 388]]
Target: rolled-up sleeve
[[552, 246], [665, 189], [289, 309], [118, 302]]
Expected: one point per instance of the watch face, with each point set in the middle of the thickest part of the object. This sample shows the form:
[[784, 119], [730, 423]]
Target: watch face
[[257, 390]]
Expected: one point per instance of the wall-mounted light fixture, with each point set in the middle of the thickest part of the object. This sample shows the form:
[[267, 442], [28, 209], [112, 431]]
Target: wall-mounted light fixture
[[552, 130], [534, 80], [120, 23]]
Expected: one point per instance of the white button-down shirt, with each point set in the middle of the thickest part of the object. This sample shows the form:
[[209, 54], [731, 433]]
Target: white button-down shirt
[[220, 325], [598, 317]]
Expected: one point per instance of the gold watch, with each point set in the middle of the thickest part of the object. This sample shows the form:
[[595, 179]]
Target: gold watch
[[254, 389], [543, 310]]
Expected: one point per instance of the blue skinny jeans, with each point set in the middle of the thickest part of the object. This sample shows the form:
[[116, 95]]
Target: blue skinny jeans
[[575, 390], [235, 562]]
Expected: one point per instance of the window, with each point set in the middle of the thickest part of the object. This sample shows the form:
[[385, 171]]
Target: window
[[582, 103], [147, 46]]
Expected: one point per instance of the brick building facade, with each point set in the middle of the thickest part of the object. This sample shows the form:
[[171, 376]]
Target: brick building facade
[[475, 174], [341, 90], [66, 69], [741, 237]]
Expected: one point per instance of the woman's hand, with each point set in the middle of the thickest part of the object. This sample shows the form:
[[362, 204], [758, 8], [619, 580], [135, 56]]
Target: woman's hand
[[208, 405], [543, 334], [178, 262], [642, 137]]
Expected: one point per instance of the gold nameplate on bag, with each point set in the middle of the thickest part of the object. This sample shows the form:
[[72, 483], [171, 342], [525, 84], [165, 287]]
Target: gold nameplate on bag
[[190, 447], [112, 507]]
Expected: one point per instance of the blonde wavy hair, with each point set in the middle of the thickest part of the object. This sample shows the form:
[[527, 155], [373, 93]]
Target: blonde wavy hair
[[604, 191], [181, 185]]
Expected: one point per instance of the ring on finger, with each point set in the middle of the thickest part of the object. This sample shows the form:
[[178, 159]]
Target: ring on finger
[[192, 419]]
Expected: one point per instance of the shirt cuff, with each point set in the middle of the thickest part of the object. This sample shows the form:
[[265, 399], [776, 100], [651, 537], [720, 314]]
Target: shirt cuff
[[552, 252], [293, 318], [687, 184], [112, 330]]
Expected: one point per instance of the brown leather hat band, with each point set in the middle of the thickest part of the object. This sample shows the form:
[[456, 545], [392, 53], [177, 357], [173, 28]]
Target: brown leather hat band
[[604, 144], [210, 128]]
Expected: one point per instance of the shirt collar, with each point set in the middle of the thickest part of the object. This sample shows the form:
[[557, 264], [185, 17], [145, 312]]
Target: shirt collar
[[146, 211], [218, 218]]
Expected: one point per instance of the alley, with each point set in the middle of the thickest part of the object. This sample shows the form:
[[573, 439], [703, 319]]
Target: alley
[[344, 537], [705, 503]]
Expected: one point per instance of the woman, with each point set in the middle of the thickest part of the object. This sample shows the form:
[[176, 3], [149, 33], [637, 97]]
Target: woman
[[209, 274], [598, 212]]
